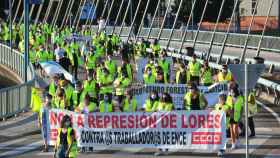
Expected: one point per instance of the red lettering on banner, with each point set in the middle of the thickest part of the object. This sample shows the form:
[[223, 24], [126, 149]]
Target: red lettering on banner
[[60, 116], [115, 121], [218, 121], [143, 121], [210, 121], [201, 121], [91, 123], [164, 121], [184, 121], [130, 120], [153, 121], [173, 122], [122, 121], [192, 121], [206, 137], [106, 121], [53, 119], [80, 122], [53, 134], [99, 122]]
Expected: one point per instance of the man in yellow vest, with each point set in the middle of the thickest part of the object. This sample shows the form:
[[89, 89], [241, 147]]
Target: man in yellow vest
[[106, 105], [86, 106], [206, 75], [149, 76], [194, 70], [129, 104], [151, 104], [194, 100], [120, 84], [181, 75], [78, 95], [252, 108], [224, 75]]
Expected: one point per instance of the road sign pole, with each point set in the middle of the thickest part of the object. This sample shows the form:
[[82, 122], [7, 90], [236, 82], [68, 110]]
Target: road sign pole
[[26, 37], [246, 110]]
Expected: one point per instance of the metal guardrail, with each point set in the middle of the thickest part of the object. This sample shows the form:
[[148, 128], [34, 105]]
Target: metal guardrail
[[17, 98], [269, 43]]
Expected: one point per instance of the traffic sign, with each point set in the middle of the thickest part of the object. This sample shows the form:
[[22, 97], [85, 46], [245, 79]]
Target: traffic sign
[[254, 72]]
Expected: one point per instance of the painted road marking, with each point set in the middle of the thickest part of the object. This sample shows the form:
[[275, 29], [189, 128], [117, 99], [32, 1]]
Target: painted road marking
[[23, 149]]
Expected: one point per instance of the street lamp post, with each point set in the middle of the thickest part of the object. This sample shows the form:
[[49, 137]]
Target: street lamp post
[[26, 37], [11, 23]]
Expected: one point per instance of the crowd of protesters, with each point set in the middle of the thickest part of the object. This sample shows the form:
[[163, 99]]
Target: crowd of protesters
[[109, 67]]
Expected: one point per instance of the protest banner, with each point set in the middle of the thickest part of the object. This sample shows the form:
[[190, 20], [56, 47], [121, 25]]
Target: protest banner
[[204, 130]]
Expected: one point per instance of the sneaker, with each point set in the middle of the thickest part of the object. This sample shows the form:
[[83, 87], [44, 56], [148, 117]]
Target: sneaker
[[252, 135], [221, 153], [159, 153], [233, 146], [237, 143]]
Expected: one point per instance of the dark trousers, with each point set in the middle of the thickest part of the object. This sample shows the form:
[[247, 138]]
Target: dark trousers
[[251, 126]]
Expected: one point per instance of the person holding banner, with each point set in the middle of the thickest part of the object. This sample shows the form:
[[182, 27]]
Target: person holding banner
[[194, 70], [66, 145], [194, 100], [151, 104]]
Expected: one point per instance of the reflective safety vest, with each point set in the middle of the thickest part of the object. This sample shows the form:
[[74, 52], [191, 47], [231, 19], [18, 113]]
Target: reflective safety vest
[[32, 57], [156, 49], [105, 107], [164, 65], [90, 64], [222, 78], [74, 147], [151, 106], [111, 66], [194, 68], [206, 77], [106, 80], [52, 89], [76, 100], [68, 92], [236, 107], [90, 88], [120, 84], [149, 79], [59, 103], [252, 105], [36, 101], [179, 76], [130, 106], [225, 108], [88, 109], [165, 106], [188, 98]]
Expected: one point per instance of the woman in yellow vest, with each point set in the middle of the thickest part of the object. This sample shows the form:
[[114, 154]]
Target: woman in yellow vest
[[223, 107], [165, 105], [66, 144], [235, 100], [194, 100]]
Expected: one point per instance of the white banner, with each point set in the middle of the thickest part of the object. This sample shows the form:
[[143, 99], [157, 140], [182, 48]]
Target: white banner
[[204, 130]]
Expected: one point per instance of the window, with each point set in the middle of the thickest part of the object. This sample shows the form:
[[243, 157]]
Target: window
[[254, 6]]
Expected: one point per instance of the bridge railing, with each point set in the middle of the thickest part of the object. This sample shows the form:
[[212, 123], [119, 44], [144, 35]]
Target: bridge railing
[[17, 98]]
